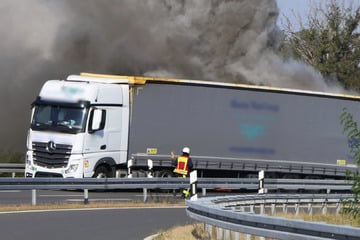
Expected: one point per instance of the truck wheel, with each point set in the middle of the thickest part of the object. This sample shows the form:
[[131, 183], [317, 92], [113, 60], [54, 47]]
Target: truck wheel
[[102, 172], [165, 174]]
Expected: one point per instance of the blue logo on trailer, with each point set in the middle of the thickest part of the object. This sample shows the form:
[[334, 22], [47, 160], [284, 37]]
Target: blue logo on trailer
[[252, 131]]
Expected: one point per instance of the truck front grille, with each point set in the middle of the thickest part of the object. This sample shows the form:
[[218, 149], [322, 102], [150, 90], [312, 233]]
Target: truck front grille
[[51, 155]]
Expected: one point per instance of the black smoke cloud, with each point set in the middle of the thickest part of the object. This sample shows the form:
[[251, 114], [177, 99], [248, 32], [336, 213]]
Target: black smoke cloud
[[215, 40]]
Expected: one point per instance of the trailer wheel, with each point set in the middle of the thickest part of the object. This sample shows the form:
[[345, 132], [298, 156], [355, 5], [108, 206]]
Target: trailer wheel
[[102, 172], [165, 174]]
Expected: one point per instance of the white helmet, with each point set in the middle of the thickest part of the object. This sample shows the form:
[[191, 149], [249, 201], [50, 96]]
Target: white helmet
[[186, 150]]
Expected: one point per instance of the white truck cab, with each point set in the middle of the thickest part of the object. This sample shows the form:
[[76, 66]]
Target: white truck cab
[[79, 128]]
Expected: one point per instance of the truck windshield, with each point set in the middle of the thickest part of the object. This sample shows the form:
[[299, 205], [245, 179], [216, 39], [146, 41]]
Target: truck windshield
[[58, 118]]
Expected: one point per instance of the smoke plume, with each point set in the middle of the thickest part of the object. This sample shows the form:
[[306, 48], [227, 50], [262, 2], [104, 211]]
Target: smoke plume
[[215, 40]]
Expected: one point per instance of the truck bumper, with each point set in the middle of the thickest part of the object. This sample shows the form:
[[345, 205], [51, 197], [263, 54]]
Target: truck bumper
[[74, 169]]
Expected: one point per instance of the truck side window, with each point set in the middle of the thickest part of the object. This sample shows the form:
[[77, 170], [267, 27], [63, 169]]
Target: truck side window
[[97, 120]]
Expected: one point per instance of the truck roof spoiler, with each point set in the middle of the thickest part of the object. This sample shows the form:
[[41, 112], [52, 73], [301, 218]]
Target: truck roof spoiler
[[129, 79], [96, 79]]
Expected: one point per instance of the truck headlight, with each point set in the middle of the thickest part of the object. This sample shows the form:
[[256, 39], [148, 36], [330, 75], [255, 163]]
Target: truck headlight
[[28, 163], [29, 166], [72, 168]]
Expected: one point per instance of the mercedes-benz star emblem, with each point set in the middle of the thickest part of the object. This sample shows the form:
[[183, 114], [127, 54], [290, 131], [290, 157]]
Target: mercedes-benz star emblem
[[51, 147]]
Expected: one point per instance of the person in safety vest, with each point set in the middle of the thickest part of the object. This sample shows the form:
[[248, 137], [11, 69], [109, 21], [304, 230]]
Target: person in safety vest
[[183, 167]]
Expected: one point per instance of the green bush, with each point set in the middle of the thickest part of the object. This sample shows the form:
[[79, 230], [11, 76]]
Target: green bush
[[352, 206]]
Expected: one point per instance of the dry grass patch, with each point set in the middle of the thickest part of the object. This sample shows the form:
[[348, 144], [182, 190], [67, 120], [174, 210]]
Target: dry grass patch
[[196, 231], [26, 207], [337, 219], [188, 232]]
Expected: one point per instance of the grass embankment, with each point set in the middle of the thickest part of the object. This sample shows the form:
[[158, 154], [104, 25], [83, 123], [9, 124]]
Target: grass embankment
[[339, 219], [26, 207], [188, 232], [196, 231]]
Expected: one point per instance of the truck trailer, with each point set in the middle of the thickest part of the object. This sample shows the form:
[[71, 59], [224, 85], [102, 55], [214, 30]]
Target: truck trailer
[[94, 125]]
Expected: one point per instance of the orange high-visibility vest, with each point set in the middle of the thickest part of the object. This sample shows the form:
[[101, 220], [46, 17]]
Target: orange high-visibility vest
[[182, 165]]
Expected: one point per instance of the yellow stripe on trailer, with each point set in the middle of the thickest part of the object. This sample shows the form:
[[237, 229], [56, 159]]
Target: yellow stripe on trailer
[[138, 80], [132, 79]]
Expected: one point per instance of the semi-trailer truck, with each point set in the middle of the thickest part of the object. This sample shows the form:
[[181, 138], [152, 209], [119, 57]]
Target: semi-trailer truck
[[94, 125]]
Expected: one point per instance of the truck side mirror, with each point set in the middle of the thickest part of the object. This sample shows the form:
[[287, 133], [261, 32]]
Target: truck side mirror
[[97, 120]]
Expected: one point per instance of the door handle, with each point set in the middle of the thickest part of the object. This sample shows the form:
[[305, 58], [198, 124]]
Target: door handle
[[103, 147]]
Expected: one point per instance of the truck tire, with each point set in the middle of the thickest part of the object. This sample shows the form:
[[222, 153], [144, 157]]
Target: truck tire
[[102, 172], [165, 174]]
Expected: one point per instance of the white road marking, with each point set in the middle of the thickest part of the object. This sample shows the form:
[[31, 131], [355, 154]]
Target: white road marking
[[62, 195], [99, 199]]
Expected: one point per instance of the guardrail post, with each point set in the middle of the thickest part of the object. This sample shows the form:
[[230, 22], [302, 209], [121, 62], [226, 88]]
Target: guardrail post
[[297, 209], [324, 207], [252, 208], [150, 165], [310, 209], [262, 207], [235, 235], [219, 233], [338, 207], [273, 208], [145, 194], [285, 206], [86, 196], [33, 197], [129, 166], [193, 185], [262, 189], [247, 237], [203, 192]]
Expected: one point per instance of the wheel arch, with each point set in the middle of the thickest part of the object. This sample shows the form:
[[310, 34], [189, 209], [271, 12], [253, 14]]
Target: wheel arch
[[108, 162]]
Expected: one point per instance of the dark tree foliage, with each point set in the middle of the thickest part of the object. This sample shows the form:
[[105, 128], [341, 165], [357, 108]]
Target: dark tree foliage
[[329, 40]]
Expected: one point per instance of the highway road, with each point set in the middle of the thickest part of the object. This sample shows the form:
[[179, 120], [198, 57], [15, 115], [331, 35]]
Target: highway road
[[90, 224], [112, 224]]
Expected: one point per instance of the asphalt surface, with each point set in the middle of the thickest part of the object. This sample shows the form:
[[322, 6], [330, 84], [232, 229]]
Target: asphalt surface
[[89, 224], [112, 224]]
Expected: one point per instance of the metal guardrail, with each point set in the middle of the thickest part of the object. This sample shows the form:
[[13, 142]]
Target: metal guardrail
[[91, 183], [172, 183], [12, 168], [239, 184], [237, 214]]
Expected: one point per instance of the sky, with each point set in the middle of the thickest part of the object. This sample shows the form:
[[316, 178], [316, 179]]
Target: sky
[[288, 7], [302, 7]]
